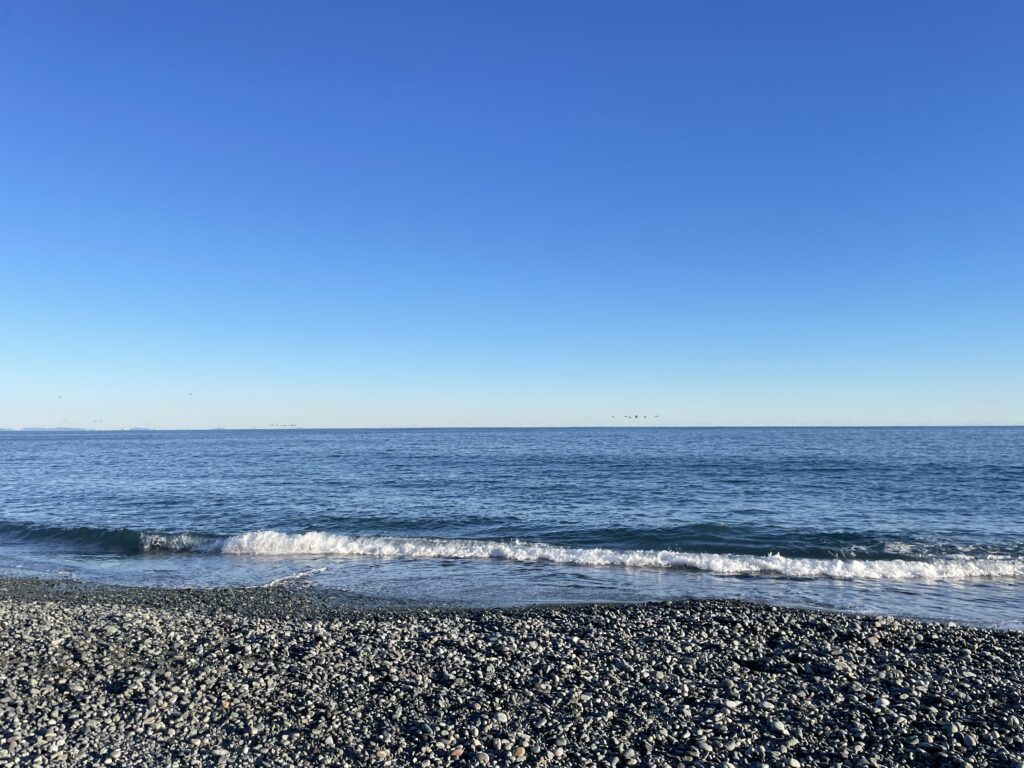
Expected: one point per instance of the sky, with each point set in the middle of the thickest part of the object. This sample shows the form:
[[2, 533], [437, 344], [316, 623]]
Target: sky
[[375, 214]]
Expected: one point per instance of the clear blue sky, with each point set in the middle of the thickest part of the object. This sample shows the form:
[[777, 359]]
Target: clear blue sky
[[511, 213]]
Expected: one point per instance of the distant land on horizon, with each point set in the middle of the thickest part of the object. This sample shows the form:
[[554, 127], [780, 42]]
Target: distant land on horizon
[[77, 429]]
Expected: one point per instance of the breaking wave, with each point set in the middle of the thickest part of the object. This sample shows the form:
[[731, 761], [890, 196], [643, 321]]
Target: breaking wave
[[901, 566], [179, 542], [274, 543]]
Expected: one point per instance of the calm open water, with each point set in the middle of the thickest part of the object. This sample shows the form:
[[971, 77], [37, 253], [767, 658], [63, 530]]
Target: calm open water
[[919, 522]]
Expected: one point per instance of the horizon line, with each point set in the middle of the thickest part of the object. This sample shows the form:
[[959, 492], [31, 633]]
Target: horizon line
[[483, 427]]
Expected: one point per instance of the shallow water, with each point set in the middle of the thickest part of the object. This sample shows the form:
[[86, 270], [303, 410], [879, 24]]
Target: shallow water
[[919, 522]]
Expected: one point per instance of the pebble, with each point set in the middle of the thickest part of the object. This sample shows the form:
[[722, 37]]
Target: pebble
[[256, 677]]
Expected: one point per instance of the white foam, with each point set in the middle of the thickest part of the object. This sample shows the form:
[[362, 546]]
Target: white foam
[[317, 543], [303, 576], [179, 542]]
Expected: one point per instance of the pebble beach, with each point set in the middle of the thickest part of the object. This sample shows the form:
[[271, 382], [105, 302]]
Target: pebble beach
[[292, 677]]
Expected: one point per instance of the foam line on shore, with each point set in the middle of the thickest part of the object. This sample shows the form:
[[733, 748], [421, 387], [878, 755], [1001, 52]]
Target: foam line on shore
[[301, 576]]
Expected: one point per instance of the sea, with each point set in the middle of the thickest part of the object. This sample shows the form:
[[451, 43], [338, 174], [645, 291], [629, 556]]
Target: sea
[[918, 522]]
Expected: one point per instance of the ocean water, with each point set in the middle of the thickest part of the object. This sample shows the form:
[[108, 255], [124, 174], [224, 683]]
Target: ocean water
[[924, 522]]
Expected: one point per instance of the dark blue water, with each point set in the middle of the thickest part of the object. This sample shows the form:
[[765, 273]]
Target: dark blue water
[[922, 522]]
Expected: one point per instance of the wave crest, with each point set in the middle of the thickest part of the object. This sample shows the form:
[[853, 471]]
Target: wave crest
[[965, 565], [269, 543]]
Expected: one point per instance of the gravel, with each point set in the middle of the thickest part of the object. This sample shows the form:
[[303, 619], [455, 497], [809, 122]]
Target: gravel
[[286, 677]]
